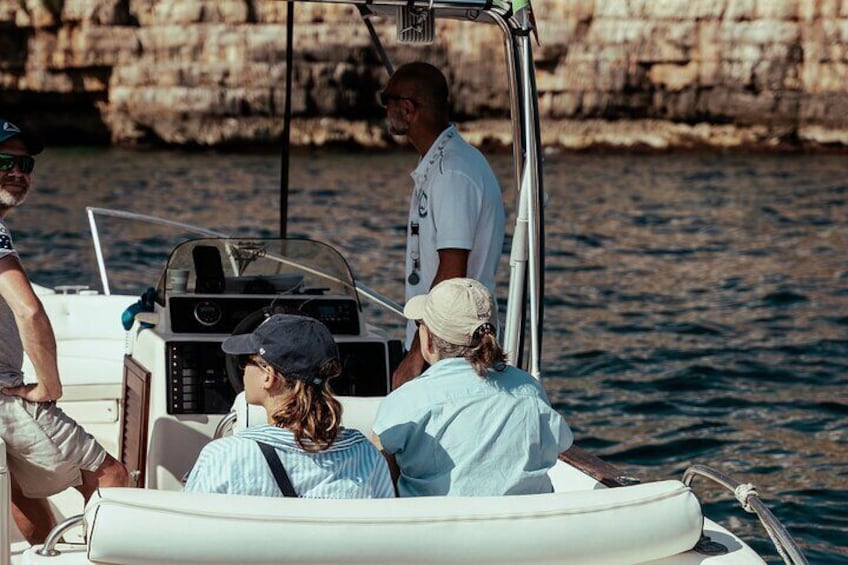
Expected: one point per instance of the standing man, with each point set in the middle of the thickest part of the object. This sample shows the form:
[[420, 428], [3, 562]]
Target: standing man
[[456, 214], [47, 451]]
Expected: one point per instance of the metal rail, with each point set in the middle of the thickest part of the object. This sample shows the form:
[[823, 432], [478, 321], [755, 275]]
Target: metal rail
[[225, 425], [750, 501], [526, 267], [469, 8], [91, 211], [55, 536]]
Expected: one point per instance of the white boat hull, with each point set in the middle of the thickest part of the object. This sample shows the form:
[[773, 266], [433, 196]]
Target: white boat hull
[[582, 522]]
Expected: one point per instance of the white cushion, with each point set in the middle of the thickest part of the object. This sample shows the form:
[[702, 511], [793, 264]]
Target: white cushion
[[90, 339], [357, 412], [608, 526], [85, 316], [86, 361]]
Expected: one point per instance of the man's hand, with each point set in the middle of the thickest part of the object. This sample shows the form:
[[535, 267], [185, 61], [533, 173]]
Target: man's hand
[[33, 393], [410, 367]]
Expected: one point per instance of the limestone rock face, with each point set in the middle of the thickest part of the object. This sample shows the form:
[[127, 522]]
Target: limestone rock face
[[622, 73]]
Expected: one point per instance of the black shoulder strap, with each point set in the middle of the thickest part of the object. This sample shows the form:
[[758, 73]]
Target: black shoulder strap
[[277, 469]]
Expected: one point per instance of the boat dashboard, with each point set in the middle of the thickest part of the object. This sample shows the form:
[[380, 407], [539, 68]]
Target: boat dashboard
[[212, 288]]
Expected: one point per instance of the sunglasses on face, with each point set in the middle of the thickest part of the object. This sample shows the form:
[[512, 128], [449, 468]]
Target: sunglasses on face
[[385, 97], [246, 361], [25, 163]]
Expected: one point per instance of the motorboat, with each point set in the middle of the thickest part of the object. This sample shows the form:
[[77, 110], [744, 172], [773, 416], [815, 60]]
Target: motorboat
[[156, 393]]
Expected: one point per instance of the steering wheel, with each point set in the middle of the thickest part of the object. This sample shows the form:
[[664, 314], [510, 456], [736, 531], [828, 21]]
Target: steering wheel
[[245, 326]]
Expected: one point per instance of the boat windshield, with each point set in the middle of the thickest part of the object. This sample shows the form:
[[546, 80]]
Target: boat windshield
[[256, 266]]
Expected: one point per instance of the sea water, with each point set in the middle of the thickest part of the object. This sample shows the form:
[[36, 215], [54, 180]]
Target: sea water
[[696, 308]]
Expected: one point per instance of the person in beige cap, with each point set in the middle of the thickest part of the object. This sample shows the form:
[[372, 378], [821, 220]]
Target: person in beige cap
[[470, 424]]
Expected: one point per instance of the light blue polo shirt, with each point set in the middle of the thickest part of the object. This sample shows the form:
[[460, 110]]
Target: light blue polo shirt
[[455, 433]]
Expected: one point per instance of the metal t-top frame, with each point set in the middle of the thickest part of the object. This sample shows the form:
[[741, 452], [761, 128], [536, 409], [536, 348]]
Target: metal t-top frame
[[524, 308]]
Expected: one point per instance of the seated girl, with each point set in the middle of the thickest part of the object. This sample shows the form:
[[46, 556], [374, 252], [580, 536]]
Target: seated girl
[[470, 424], [303, 450]]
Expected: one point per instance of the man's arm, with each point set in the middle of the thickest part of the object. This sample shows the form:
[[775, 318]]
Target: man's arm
[[453, 263], [35, 331]]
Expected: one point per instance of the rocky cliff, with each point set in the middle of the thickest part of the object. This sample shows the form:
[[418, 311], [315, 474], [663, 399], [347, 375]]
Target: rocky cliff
[[620, 73]]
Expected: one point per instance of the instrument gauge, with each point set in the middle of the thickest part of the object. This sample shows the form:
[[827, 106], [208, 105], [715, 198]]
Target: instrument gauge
[[208, 312]]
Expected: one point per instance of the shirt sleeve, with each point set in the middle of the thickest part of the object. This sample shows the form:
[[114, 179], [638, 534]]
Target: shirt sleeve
[[456, 205], [209, 471], [7, 248], [566, 437], [389, 423]]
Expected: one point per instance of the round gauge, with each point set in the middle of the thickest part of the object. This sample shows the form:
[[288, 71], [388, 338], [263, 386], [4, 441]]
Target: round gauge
[[207, 312]]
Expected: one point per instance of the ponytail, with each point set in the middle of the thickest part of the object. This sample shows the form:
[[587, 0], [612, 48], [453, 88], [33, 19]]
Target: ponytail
[[486, 354], [483, 353], [310, 411]]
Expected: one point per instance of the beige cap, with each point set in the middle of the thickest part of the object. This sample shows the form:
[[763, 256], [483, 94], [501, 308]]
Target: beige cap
[[454, 309]]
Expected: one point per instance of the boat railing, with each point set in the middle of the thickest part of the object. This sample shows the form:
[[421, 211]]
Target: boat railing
[[225, 425], [48, 549], [747, 496], [92, 211]]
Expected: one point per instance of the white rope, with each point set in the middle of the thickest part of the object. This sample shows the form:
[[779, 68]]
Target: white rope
[[742, 492]]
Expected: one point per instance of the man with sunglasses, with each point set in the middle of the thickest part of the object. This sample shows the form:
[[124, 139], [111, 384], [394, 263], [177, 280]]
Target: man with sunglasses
[[47, 451], [456, 215]]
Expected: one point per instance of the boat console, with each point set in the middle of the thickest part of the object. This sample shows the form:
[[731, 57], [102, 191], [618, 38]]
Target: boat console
[[178, 383]]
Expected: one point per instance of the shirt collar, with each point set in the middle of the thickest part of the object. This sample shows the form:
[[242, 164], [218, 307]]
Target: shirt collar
[[434, 153]]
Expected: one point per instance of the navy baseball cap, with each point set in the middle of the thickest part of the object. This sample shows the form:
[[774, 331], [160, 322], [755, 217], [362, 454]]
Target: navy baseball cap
[[8, 130], [296, 346]]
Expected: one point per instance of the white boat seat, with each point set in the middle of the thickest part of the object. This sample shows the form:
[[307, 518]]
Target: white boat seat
[[90, 339], [357, 412], [608, 526]]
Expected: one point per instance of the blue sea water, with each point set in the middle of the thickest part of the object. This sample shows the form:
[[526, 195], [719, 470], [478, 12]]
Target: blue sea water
[[696, 308]]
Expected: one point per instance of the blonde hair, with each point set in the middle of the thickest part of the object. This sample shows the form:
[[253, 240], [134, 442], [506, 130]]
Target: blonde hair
[[484, 352], [311, 412]]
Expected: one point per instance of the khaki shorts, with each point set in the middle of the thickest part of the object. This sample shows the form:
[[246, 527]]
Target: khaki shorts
[[46, 449]]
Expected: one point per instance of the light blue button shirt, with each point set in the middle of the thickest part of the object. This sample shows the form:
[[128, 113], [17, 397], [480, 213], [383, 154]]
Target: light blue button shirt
[[453, 432]]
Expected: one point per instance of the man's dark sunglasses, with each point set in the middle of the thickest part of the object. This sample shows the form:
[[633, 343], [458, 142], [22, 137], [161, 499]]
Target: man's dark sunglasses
[[24, 162], [385, 97]]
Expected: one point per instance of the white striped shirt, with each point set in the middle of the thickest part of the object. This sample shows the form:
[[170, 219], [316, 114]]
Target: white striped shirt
[[350, 468]]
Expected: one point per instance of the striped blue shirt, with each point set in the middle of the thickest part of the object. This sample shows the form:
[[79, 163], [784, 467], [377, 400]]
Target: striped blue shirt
[[350, 468]]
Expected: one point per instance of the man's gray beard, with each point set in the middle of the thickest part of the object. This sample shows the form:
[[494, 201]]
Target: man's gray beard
[[396, 131], [8, 201]]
